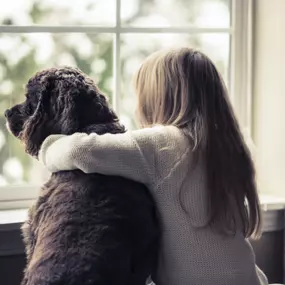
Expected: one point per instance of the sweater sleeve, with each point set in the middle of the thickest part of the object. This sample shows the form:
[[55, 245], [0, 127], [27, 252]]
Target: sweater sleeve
[[145, 155]]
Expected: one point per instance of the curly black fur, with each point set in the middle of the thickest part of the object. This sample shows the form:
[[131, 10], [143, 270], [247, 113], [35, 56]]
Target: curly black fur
[[83, 229]]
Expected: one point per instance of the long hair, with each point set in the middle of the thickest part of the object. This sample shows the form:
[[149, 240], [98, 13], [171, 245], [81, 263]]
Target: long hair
[[183, 88]]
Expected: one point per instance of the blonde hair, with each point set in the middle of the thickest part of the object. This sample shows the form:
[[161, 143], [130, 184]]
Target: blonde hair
[[182, 87], [161, 93]]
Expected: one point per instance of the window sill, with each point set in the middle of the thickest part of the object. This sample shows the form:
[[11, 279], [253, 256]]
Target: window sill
[[269, 202], [11, 221]]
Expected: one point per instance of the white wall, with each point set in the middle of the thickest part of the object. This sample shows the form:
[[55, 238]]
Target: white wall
[[269, 94]]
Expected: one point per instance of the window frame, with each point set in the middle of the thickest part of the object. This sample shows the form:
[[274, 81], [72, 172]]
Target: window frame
[[240, 71]]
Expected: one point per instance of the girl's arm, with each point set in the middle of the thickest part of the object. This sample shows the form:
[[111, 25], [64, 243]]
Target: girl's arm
[[146, 155]]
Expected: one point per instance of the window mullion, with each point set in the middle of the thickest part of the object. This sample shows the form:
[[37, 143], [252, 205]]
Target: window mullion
[[117, 59], [241, 62]]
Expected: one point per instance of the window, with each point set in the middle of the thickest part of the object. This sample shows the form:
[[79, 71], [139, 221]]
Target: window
[[108, 40]]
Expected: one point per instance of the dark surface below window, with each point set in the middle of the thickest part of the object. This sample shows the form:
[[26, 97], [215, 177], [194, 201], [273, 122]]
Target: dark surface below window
[[11, 269], [269, 252]]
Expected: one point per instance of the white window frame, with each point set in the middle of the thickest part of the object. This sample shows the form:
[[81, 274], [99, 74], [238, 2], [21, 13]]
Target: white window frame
[[240, 76]]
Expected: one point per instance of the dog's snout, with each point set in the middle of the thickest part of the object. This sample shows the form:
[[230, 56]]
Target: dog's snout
[[8, 113]]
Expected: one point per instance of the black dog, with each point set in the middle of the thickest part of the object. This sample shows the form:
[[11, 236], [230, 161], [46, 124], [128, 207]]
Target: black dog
[[84, 229]]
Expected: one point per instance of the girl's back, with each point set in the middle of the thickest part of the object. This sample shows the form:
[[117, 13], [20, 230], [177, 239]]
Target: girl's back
[[192, 252]]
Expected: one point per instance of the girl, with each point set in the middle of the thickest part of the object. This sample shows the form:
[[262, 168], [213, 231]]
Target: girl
[[193, 158]]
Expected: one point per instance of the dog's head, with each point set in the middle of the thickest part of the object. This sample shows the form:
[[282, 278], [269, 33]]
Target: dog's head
[[60, 101]]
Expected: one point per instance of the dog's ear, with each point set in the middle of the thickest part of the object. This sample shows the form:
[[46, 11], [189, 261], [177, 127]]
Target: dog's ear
[[105, 113], [34, 131], [83, 107], [70, 109]]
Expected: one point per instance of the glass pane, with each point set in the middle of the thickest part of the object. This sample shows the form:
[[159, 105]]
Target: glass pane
[[136, 47], [58, 12], [91, 53], [167, 13]]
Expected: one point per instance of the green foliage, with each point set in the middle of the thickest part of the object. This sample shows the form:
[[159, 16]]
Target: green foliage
[[29, 53]]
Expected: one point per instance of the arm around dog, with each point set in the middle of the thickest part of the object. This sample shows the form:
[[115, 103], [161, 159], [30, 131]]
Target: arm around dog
[[145, 155]]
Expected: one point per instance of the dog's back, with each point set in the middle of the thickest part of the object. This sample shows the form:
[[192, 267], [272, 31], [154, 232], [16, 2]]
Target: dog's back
[[92, 229]]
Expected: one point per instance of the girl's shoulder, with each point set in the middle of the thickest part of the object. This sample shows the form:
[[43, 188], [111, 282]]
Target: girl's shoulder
[[162, 137], [164, 147], [162, 132]]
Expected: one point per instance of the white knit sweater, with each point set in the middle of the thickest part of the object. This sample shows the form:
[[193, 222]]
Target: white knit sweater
[[161, 158]]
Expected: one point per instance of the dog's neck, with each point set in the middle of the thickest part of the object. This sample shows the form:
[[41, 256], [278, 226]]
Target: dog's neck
[[100, 129]]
